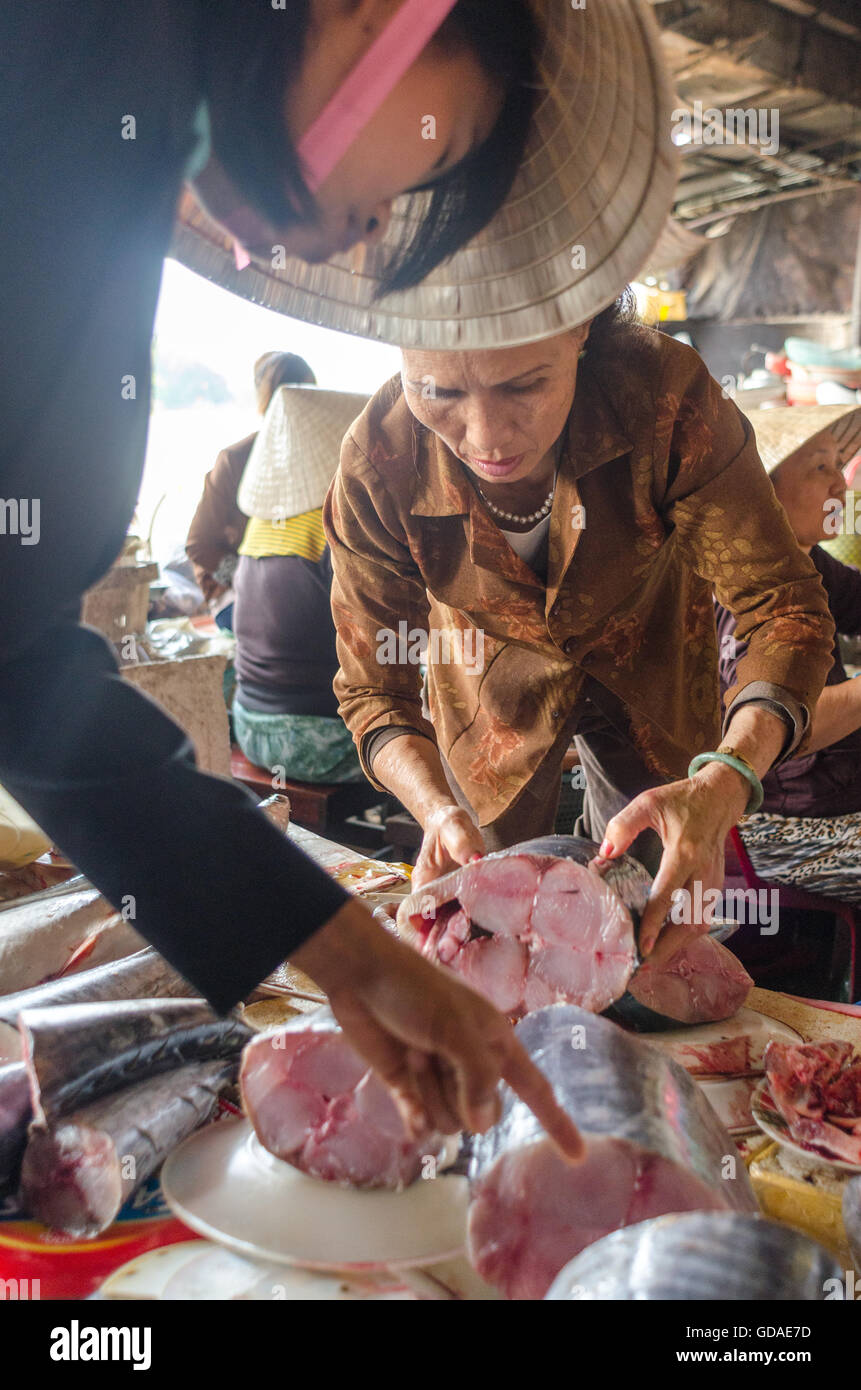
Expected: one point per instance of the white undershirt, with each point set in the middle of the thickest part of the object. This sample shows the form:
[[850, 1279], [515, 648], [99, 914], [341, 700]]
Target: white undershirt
[[529, 543]]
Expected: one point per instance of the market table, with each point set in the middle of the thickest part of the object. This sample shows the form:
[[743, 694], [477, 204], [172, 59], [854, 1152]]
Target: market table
[[148, 1247]]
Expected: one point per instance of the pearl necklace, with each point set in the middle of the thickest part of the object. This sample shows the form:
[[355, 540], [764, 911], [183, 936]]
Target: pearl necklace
[[543, 510]]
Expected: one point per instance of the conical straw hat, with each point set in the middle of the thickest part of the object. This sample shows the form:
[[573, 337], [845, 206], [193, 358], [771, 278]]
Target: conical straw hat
[[295, 455], [599, 175], [784, 428]]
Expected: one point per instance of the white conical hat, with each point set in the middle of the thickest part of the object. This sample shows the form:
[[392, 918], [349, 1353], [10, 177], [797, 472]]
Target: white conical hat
[[586, 209], [784, 428], [295, 455]]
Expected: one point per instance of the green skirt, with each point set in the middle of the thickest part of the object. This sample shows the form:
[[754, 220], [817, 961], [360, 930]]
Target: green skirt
[[301, 747]]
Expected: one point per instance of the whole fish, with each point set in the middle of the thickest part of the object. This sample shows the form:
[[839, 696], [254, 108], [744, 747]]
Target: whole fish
[[316, 1103], [44, 937], [852, 1218], [701, 1256], [78, 1172], [653, 1145], [145, 975], [75, 1053], [14, 1118]]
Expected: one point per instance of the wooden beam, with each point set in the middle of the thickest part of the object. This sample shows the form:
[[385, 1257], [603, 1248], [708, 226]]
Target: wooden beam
[[798, 51]]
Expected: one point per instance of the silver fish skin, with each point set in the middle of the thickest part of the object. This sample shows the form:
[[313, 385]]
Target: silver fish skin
[[40, 939], [75, 1053], [653, 1144], [15, 1115], [852, 1218], [612, 1083], [78, 1172], [699, 1256], [145, 975]]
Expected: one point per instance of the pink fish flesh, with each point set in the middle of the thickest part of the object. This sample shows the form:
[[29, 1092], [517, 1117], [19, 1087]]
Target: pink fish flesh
[[817, 1089], [702, 983], [527, 930], [653, 1143], [314, 1101]]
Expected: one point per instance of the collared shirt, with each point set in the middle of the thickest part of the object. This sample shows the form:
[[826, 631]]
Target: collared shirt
[[826, 783], [660, 497]]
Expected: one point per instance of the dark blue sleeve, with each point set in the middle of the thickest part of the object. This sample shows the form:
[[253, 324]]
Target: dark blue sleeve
[[86, 220]]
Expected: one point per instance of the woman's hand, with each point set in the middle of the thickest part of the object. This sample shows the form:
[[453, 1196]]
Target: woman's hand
[[451, 838], [438, 1046], [693, 819]]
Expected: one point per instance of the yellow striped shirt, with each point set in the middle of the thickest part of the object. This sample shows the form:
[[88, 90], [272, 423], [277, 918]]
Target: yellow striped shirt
[[297, 535]]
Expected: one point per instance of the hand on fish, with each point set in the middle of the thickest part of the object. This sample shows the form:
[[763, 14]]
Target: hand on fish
[[693, 818], [440, 1047], [451, 838]]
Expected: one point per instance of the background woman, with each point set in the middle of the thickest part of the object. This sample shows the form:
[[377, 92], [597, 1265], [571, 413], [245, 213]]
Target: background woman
[[808, 829], [285, 715], [218, 525]]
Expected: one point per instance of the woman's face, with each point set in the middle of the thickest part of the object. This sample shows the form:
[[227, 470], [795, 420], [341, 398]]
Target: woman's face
[[391, 155], [805, 482], [501, 411]]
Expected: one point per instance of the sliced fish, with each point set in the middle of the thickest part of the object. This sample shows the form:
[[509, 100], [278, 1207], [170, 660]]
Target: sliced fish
[[653, 1143], [527, 929], [315, 1102], [78, 1172], [701, 1256]]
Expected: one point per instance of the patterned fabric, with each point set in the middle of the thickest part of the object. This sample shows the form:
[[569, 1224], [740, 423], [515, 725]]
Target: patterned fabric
[[308, 747], [819, 853], [297, 535], [676, 503]]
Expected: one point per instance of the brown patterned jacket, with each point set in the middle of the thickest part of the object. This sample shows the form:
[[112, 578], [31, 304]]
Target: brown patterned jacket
[[676, 504]]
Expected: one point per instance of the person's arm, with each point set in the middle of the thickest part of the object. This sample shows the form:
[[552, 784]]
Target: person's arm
[[377, 594], [732, 531], [838, 713], [410, 768], [217, 525]]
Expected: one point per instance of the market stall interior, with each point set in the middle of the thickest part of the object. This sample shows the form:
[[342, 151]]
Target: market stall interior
[[591, 756]]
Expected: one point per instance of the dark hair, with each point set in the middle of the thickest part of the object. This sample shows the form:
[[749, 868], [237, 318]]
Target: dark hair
[[276, 369], [250, 59], [616, 318], [504, 39]]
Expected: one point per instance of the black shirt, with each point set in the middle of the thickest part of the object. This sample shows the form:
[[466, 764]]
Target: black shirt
[[86, 221]]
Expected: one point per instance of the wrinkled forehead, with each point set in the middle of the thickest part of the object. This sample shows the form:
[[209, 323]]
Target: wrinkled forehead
[[485, 369]]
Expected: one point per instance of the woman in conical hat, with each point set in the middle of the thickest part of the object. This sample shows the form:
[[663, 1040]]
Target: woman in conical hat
[[552, 519], [285, 715], [808, 830], [299, 125]]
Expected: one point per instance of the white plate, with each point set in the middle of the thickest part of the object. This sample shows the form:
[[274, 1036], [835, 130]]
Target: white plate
[[224, 1185], [146, 1276], [772, 1123]]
